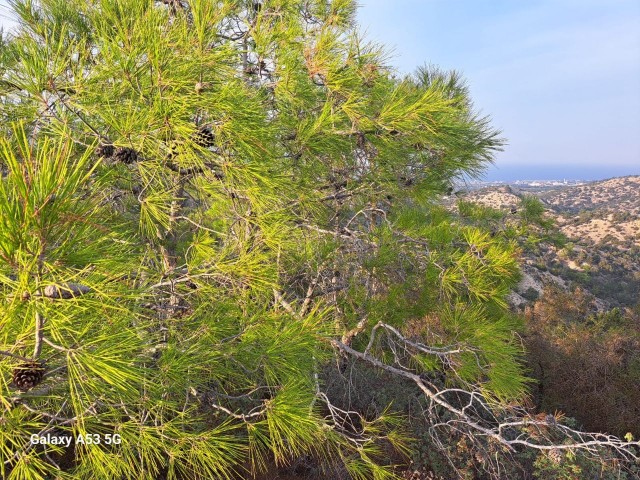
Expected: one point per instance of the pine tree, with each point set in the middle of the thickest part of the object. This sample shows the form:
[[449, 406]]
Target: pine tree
[[208, 209]]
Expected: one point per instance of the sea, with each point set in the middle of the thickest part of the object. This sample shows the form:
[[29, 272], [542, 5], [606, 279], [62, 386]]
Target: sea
[[511, 173]]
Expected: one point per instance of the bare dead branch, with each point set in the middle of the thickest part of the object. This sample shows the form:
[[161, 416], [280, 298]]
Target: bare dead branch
[[240, 416], [466, 420]]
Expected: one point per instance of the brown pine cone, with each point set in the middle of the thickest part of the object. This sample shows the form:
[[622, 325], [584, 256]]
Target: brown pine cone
[[125, 155], [204, 137], [105, 150], [27, 375]]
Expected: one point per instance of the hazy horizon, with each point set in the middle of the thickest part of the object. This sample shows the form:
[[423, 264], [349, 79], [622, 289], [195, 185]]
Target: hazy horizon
[[510, 173]]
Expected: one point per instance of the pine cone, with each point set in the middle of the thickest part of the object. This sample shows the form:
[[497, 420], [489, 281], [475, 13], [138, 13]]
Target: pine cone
[[28, 375], [125, 155], [204, 137], [105, 150]]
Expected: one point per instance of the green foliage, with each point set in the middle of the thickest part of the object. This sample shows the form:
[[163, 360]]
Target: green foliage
[[479, 212], [613, 273], [532, 209], [205, 280]]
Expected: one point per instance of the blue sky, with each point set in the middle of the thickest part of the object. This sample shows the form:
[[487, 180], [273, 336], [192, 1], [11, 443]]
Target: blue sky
[[560, 78]]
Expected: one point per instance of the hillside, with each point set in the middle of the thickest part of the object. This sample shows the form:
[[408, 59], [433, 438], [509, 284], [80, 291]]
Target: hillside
[[601, 251], [615, 194], [602, 213]]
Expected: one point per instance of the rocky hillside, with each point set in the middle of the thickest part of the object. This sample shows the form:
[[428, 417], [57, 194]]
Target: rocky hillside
[[601, 213], [600, 251], [615, 194], [503, 198]]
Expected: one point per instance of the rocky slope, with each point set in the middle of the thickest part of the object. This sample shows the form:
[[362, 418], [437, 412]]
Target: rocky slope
[[601, 250], [615, 194], [606, 212]]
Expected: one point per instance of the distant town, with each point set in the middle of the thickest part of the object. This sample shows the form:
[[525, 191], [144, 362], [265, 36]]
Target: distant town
[[525, 184]]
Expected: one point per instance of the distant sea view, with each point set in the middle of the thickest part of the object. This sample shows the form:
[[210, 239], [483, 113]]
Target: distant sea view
[[511, 173]]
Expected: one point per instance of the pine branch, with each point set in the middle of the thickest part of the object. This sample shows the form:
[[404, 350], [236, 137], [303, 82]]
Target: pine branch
[[65, 291], [573, 440], [13, 355], [39, 335]]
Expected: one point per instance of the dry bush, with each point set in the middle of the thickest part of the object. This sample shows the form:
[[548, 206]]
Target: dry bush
[[587, 364]]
